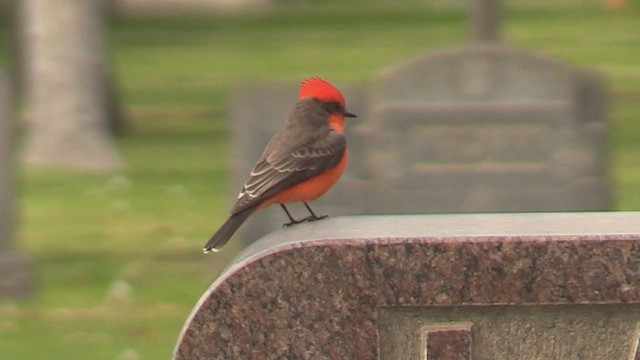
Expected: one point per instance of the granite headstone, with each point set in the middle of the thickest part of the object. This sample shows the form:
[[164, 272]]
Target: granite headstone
[[429, 287]]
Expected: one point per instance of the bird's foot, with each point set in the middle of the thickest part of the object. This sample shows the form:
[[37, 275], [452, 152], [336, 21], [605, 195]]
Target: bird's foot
[[315, 217], [293, 222], [307, 219]]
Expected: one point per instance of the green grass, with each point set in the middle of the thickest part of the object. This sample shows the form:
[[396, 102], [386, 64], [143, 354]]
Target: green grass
[[118, 256]]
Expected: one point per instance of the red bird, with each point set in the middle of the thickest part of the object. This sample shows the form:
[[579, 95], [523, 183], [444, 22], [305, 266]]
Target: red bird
[[303, 160]]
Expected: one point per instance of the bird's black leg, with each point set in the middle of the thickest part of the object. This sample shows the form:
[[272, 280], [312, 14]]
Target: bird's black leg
[[292, 220], [313, 216]]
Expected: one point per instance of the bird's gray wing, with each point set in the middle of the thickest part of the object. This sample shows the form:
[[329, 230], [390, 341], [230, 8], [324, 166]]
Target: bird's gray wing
[[279, 170]]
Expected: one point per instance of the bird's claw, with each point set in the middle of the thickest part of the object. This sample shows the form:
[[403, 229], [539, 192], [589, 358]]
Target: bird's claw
[[314, 218], [307, 219], [293, 222]]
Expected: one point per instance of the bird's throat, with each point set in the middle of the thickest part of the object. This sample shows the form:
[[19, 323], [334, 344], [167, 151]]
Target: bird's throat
[[337, 122]]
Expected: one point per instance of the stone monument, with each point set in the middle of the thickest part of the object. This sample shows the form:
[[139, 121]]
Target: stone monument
[[429, 287], [486, 128]]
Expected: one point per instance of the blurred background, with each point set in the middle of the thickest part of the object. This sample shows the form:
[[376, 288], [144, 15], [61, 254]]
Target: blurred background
[[113, 224]]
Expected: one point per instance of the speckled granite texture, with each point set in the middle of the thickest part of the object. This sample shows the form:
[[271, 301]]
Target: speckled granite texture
[[314, 291]]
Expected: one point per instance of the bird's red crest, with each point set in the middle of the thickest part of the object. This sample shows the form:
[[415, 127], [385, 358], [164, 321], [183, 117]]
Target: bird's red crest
[[317, 88]]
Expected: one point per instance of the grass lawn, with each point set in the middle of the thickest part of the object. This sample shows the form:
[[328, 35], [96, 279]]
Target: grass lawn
[[119, 263]]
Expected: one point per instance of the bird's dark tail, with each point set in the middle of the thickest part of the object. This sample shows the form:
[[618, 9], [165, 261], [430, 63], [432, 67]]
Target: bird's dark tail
[[227, 230]]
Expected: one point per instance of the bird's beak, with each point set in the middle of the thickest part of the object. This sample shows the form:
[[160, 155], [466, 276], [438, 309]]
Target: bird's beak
[[348, 114]]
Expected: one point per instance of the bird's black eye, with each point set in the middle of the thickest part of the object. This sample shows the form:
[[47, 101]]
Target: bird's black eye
[[334, 107]]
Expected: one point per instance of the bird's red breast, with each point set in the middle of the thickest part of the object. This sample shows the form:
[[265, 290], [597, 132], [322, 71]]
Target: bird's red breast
[[311, 189]]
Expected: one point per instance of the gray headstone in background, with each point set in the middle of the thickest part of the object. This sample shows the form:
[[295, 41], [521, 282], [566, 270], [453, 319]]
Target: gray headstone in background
[[14, 266], [485, 128], [257, 112]]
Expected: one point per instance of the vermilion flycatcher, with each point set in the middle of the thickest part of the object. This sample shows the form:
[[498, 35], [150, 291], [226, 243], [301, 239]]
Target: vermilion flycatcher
[[302, 161]]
